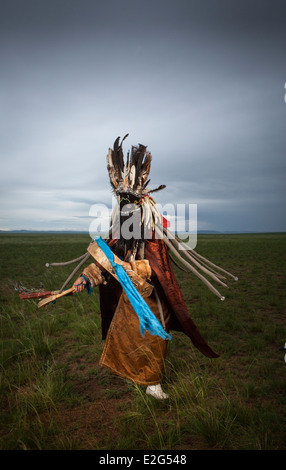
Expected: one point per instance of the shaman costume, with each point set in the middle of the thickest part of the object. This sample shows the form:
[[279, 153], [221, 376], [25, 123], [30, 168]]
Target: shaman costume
[[140, 299], [131, 351]]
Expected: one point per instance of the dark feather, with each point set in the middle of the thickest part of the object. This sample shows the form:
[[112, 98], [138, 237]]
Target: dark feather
[[139, 157], [163, 186], [125, 137], [146, 184]]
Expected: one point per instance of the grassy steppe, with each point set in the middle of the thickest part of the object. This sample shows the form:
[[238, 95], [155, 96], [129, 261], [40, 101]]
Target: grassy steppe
[[55, 396]]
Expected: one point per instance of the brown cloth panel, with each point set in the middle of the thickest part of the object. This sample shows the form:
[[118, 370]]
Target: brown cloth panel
[[130, 355]]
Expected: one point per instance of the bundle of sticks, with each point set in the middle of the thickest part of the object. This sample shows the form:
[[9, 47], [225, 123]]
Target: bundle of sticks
[[47, 296]]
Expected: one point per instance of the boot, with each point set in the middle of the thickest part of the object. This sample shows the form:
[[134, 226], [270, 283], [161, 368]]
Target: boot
[[156, 392]]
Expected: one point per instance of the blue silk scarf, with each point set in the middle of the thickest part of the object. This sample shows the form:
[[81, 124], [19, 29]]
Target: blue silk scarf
[[147, 320]]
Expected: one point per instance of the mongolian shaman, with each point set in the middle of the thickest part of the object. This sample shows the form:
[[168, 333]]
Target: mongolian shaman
[[140, 299]]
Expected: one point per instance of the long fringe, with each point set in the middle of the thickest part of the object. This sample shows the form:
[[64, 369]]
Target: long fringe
[[189, 258]]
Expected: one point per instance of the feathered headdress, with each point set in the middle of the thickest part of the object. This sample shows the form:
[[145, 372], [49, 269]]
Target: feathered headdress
[[130, 176]]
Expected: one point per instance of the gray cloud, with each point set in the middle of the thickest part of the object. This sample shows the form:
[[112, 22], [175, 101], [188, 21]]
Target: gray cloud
[[200, 82]]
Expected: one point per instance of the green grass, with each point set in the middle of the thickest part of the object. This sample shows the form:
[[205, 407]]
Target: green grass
[[55, 396]]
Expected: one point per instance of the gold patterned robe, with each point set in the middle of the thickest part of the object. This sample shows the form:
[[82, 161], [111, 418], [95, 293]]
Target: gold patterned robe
[[126, 352]]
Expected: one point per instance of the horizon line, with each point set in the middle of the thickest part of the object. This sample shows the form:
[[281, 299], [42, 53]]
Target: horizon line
[[85, 232]]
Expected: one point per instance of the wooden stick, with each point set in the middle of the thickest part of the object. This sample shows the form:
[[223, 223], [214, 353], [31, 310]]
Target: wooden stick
[[190, 267], [52, 298], [177, 264], [204, 269], [84, 259], [65, 263], [210, 263], [37, 295], [196, 263], [195, 254]]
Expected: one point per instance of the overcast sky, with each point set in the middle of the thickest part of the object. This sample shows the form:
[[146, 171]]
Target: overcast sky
[[200, 82]]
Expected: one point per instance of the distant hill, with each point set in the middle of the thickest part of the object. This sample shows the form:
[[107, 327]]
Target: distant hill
[[79, 232], [45, 231]]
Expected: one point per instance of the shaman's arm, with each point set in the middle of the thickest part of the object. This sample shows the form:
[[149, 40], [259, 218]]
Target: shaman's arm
[[92, 276]]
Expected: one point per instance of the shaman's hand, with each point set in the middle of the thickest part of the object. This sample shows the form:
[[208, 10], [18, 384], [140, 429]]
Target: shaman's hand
[[79, 284]]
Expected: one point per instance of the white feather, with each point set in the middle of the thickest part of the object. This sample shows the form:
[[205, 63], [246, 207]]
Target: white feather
[[124, 172], [132, 175], [109, 158], [148, 216]]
